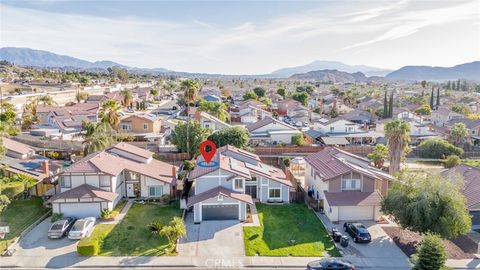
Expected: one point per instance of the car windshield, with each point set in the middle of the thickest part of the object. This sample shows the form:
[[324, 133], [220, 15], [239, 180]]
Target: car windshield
[[364, 234], [57, 226], [78, 226], [363, 231]]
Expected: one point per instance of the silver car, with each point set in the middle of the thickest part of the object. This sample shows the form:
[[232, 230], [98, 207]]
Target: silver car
[[82, 228], [61, 227]]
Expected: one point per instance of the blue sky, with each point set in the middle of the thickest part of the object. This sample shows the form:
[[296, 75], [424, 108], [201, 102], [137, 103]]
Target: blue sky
[[248, 37]]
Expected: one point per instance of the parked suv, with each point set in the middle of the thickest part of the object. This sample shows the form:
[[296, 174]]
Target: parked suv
[[358, 232], [61, 227]]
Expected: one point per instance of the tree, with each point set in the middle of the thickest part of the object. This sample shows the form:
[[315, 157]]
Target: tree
[[461, 108], [175, 230], [190, 89], [236, 136], [4, 202], [8, 129], [127, 99], [215, 108], [250, 95], [281, 92], [154, 92], [298, 140], [434, 148], [379, 154], [96, 137], [3, 149], [110, 112], [334, 112], [396, 132], [452, 161], [431, 99], [8, 116], [259, 91], [189, 143], [307, 88], [424, 84], [459, 135], [438, 97], [431, 254], [267, 101], [27, 121], [81, 96], [423, 110], [390, 106], [301, 97], [43, 100], [385, 106], [428, 203]]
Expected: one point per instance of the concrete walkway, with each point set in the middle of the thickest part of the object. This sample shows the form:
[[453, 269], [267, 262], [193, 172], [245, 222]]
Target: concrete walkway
[[122, 213], [254, 213]]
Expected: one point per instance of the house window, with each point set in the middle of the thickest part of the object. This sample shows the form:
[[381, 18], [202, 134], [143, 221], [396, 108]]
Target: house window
[[274, 193], [104, 181], [350, 184], [220, 198], [145, 126], [65, 182], [311, 172], [207, 125], [238, 184], [125, 126], [332, 129], [155, 191]]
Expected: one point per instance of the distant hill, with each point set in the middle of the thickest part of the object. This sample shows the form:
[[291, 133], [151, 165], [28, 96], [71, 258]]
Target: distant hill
[[39, 58], [331, 75], [468, 71], [331, 65]]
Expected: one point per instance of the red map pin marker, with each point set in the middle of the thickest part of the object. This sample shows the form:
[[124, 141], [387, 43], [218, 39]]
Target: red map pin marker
[[207, 156]]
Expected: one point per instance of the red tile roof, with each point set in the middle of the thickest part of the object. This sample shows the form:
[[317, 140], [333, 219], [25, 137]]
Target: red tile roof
[[137, 151], [471, 188], [219, 191], [265, 121], [352, 198], [85, 191]]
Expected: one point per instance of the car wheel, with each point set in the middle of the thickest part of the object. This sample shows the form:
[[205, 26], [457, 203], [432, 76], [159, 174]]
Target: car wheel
[[355, 240]]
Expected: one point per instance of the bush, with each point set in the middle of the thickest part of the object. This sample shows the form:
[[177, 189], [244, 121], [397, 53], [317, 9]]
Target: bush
[[88, 247], [298, 140], [155, 227], [452, 161], [108, 214], [286, 161], [165, 198], [189, 165], [56, 217], [441, 149], [12, 189], [431, 255]]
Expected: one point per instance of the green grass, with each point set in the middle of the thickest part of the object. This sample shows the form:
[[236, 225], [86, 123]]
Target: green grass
[[19, 215], [288, 230], [132, 237], [472, 162]]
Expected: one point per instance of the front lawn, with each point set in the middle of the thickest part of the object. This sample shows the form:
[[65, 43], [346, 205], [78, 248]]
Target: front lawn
[[288, 230], [19, 215], [132, 237]]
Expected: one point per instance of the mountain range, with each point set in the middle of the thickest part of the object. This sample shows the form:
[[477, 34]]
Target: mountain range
[[317, 70]]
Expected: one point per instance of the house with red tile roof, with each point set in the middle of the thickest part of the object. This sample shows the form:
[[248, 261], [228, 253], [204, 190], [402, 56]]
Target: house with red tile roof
[[101, 179], [345, 185], [270, 130], [227, 190]]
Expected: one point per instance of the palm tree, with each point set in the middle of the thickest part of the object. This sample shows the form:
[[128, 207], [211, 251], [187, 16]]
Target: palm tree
[[127, 97], [96, 137], [43, 100], [110, 112], [190, 90], [396, 132]]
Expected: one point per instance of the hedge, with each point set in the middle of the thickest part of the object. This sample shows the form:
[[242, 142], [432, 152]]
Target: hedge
[[88, 247], [12, 190], [434, 148]]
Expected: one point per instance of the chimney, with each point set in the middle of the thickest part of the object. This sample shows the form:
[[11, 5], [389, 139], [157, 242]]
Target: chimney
[[174, 172], [45, 168]]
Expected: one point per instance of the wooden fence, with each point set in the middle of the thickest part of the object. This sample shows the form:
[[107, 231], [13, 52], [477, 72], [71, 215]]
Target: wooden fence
[[290, 150]]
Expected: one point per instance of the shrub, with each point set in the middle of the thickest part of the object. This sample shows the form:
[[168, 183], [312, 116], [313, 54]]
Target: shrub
[[56, 217], [452, 161], [88, 247], [431, 255], [4, 202], [286, 161], [12, 189], [155, 227], [189, 165], [165, 198], [108, 214], [433, 148], [298, 140]]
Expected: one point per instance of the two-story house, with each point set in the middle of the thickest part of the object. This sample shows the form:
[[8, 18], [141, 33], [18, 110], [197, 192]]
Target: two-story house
[[226, 190], [443, 114], [100, 180], [270, 130], [345, 185], [142, 126], [248, 112], [207, 120]]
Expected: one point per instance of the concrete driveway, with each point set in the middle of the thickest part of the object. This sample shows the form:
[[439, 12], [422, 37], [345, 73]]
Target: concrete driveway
[[218, 238], [37, 249]]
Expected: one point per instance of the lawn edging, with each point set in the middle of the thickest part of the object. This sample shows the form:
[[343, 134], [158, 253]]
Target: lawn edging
[[184, 213], [29, 228]]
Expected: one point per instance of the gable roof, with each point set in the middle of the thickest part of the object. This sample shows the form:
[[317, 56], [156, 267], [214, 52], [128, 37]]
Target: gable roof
[[214, 192], [17, 147], [266, 121], [471, 188], [469, 123], [213, 119], [85, 191], [137, 151], [251, 102]]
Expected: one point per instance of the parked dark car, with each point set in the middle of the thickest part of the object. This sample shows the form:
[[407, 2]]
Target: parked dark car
[[358, 232], [61, 227], [330, 264]]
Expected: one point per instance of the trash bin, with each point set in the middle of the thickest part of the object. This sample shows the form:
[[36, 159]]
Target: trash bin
[[334, 230], [337, 236], [344, 241]]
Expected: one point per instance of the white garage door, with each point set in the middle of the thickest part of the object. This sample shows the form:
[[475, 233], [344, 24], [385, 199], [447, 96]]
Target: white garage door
[[80, 210], [353, 213]]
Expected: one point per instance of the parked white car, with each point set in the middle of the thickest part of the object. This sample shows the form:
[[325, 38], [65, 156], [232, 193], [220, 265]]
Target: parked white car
[[82, 228]]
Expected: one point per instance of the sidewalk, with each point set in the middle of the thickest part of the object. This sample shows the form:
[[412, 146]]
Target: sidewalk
[[122, 213]]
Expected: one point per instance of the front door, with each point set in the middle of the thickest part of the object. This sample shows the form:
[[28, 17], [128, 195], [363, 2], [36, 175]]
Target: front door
[[252, 191], [130, 191]]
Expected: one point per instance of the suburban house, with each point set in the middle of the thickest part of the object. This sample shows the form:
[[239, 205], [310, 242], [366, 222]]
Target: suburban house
[[99, 180], [227, 190], [345, 185], [370, 103], [442, 115], [473, 128], [471, 189], [341, 128], [270, 130], [214, 98], [338, 105], [68, 119], [249, 112], [22, 159], [142, 126], [287, 107], [207, 120]]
